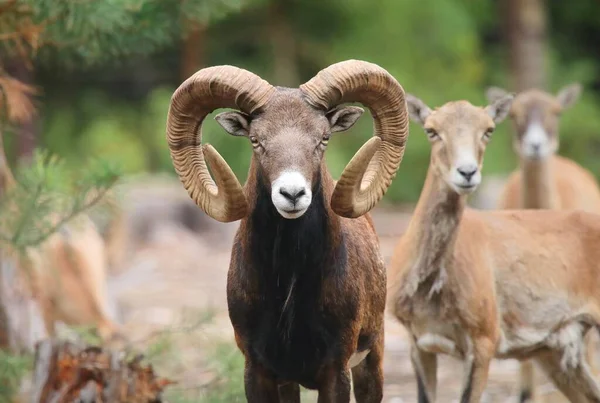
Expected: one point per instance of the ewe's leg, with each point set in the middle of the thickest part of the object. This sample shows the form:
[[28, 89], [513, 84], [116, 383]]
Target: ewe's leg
[[368, 376], [336, 387], [49, 319], [526, 382], [289, 393], [550, 363], [425, 367], [588, 384], [590, 350], [260, 386], [566, 365], [477, 367]]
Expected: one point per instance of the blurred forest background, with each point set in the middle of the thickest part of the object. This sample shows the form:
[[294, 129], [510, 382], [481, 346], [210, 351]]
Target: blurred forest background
[[105, 89], [90, 81]]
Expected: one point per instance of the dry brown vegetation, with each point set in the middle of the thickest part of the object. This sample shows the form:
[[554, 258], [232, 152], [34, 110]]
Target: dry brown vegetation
[[65, 372]]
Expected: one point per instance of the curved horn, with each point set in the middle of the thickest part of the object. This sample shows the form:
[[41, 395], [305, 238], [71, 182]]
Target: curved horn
[[208, 89], [369, 173]]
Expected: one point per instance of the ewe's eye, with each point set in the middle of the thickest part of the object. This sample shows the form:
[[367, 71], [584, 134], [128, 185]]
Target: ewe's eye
[[432, 134], [254, 141], [487, 135], [325, 138]]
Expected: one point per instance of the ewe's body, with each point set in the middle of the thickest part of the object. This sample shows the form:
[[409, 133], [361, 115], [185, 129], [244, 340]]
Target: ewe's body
[[567, 185], [492, 299], [67, 272], [545, 180], [306, 284], [68, 277], [468, 283]]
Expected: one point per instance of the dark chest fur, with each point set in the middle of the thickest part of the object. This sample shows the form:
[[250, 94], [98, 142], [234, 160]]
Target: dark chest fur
[[286, 326]]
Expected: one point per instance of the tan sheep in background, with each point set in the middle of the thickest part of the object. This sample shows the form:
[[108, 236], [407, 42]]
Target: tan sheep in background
[[544, 179]]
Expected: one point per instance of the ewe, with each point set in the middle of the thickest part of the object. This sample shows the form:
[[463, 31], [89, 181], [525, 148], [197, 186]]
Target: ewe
[[482, 284], [545, 180]]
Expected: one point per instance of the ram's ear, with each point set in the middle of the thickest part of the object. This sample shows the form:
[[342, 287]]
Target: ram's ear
[[343, 117], [234, 122]]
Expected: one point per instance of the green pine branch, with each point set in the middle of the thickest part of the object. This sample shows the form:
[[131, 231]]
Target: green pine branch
[[47, 197], [86, 32]]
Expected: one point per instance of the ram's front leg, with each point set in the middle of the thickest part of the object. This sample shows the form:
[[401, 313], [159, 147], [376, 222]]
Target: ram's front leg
[[477, 367], [260, 385], [335, 386]]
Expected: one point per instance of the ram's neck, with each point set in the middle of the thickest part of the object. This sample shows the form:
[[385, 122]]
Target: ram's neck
[[288, 248], [432, 232], [537, 186]]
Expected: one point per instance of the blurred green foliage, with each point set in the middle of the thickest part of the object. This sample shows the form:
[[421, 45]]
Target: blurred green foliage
[[12, 369], [87, 32], [47, 196], [439, 50]]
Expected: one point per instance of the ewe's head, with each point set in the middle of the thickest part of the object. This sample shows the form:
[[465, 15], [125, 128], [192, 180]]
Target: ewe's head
[[458, 133], [535, 116], [288, 130]]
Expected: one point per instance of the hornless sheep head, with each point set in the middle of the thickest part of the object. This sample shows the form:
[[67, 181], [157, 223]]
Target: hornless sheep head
[[459, 133], [535, 115], [289, 130]]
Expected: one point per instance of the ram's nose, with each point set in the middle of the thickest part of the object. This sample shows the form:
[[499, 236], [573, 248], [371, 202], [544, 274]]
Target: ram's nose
[[292, 193]]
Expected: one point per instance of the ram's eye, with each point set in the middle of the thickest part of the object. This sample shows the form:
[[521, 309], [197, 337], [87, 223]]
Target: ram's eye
[[325, 138], [432, 134], [254, 140], [487, 135]]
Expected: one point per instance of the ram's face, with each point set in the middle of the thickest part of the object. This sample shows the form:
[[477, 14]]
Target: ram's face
[[289, 139]]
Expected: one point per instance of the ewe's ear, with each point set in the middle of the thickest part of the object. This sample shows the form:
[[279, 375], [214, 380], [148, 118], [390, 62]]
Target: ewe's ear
[[417, 110], [568, 95], [498, 110], [234, 123], [343, 117], [495, 93]]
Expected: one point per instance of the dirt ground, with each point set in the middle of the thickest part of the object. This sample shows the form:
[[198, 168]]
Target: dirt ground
[[173, 272]]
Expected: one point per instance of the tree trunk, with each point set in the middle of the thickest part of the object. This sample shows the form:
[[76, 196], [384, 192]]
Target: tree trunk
[[65, 372], [7, 180], [283, 46], [525, 31], [192, 55], [27, 133], [21, 323], [24, 325], [4, 330]]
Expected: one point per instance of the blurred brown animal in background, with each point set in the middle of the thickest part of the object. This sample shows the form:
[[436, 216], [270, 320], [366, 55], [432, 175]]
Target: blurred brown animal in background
[[482, 284], [545, 179], [66, 273], [68, 278], [114, 233]]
